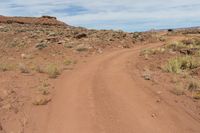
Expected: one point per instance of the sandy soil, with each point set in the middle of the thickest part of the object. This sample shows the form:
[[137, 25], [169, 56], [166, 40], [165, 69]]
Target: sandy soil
[[106, 94]]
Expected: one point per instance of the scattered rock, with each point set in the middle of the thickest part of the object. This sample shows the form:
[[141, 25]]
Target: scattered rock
[[49, 17], [100, 51], [68, 45], [51, 34], [53, 39], [41, 101], [25, 56], [158, 100], [40, 46], [159, 92], [7, 106], [82, 48], [61, 42], [146, 76], [190, 51], [126, 46], [154, 115], [80, 35]]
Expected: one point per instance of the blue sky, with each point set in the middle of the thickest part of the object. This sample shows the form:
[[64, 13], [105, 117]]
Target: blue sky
[[128, 15]]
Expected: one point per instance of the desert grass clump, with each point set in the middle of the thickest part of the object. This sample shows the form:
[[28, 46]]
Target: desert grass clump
[[176, 46], [194, 85], [39, 69], [198, 53], [81, 49], [67, 62], [178, 89], [196, 95], [162, 38], [188, 42], [178, 64], [197, 41], [44, 90], [52, 70], [4, 67], [173, 66], [23, 68], [145, 52]]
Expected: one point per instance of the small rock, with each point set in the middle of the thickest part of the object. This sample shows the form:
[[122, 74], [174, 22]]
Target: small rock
[[80, 35], [126, 46], [159, 92], [61, 42], [99, 51], [2, 27], [7, 107], [147, 76], [53, 39], [25, 56], [40, 46], [158, 100], [82, 48], [41, 101], [49, 17], [153, 115]]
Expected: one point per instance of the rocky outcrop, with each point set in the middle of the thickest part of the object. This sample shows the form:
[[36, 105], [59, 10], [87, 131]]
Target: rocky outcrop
[[44, 20]]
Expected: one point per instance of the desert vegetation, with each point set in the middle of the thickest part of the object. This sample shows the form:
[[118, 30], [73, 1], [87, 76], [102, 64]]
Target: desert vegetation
[[181, 59]]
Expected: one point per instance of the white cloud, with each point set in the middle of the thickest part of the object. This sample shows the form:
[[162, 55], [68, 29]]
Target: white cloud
[[114, 13]]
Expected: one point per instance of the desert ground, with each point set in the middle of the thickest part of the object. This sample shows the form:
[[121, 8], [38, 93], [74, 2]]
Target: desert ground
[[57, 78]]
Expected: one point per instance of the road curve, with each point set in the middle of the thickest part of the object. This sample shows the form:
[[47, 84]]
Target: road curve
[[107, 95]]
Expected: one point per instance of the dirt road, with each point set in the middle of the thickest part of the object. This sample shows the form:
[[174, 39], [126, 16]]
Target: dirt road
[[107, 95]]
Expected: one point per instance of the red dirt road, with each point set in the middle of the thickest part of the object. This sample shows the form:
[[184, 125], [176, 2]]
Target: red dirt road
[[107, 95]]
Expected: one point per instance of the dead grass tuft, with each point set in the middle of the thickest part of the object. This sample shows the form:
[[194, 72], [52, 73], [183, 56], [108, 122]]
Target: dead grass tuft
[[52, 70], [23, 68], [178, 64]]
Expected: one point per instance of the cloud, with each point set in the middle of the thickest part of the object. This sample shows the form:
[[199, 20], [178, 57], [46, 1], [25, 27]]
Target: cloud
[[129, 15]]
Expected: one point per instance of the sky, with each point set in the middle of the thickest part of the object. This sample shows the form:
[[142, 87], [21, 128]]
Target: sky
[[127, 15]]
